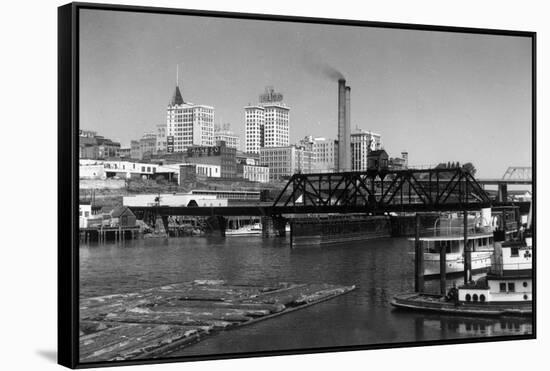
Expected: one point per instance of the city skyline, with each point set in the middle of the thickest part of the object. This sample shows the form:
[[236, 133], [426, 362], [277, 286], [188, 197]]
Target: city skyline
[[440, 96]]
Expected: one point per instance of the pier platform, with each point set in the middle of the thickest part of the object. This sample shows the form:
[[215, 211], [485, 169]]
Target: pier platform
[[154, 322]]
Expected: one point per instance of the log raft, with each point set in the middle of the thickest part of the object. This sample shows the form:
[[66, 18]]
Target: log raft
[[154, 322]]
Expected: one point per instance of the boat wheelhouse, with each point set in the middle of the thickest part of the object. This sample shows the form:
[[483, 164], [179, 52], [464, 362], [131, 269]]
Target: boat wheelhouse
[[509, 279]]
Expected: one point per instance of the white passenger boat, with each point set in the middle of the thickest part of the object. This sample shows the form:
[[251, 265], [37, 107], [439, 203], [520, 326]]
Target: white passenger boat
[[481, 245], [245, 230], [446, 236]]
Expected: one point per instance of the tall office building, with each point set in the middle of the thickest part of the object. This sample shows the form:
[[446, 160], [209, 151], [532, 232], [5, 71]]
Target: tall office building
[[188, 124], [363, 142], [266, 123]]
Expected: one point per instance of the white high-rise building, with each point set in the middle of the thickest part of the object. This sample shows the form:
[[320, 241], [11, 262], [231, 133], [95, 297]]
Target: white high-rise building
[[362, 142], [267, 123], [254, 117], [188, 124]]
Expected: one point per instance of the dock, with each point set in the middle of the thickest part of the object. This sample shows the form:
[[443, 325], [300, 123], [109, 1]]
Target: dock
[[154, 322]]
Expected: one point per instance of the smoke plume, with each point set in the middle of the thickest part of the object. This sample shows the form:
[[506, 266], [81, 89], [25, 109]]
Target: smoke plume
[[315, 66]]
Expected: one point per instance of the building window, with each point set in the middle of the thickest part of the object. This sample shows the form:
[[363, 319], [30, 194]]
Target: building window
[[468, 297], [515, 251], [511, 287], [524, 284], [502, 287]]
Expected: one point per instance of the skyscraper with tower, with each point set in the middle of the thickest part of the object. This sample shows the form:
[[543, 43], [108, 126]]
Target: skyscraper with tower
[[188, 124], [266, 123]]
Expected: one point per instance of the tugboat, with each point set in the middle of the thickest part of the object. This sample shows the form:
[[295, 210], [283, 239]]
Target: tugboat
[[507, 288]]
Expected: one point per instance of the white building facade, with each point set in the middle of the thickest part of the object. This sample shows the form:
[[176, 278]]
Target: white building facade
[[188, 124], [267, 123], [256, 173], [362, 142], [254, 117], [324, 151], [283, 162]]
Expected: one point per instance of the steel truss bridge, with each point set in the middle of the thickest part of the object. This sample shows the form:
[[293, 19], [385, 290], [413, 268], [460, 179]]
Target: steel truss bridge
[[371, 191]]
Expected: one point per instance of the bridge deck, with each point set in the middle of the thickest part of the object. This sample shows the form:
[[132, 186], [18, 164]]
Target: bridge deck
[[261, 210]]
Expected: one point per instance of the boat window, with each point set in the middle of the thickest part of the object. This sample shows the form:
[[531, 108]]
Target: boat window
[[511, 287], [482, 298], [468, 297], [515, 251], [479, 241], [525, 297], [475, 297], [524, 284], [502, 287], [455, 246]]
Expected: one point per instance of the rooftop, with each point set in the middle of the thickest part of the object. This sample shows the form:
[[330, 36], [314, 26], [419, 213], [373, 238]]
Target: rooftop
[[177, 99]]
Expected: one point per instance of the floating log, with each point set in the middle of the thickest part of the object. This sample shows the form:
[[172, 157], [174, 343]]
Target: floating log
[[156, 321]]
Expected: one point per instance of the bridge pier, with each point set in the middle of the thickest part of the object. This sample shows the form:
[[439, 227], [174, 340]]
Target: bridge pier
[[273, 226], [502, 195], [222, 223]]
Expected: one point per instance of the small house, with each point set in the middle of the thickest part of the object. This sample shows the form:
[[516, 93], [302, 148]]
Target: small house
[[122, 216], [377, 160]]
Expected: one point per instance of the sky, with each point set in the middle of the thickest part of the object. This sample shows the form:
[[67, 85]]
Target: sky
[[440, 96]]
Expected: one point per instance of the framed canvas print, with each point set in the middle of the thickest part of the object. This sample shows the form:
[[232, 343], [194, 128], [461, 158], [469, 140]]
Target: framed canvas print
[[237, 185]]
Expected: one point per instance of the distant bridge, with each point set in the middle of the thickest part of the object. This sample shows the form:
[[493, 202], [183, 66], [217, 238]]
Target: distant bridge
[[514, 175]]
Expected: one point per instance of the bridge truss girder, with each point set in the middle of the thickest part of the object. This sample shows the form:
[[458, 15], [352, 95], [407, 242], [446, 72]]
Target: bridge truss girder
[[518, 173], [381, 189]]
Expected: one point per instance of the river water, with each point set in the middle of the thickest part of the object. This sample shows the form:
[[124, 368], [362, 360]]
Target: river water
[[379, 268]]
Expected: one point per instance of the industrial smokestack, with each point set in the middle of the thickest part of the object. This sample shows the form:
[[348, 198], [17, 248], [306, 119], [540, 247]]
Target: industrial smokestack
[[347, 132], [342, 149]]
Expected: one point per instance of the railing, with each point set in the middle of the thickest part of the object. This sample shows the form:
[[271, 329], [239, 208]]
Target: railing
[[455, 231], [501, 268]]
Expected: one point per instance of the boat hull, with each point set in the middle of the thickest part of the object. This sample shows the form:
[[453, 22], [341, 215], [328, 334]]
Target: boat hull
[[437, 303]]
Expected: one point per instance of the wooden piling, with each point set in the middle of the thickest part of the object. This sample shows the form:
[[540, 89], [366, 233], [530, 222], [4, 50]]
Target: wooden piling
[[442, 270], [418, 258], [467, 252], [222, 223]]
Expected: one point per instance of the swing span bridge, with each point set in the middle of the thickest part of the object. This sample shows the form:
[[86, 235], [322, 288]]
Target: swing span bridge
[[372, 192]]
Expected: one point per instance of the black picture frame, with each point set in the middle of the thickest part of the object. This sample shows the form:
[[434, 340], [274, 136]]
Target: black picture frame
[[68, 165]]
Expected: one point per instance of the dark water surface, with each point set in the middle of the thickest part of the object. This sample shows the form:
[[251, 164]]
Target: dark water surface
[[379, 268]]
